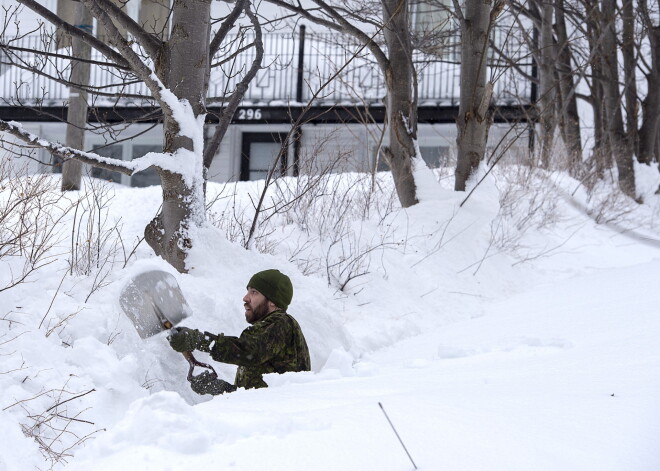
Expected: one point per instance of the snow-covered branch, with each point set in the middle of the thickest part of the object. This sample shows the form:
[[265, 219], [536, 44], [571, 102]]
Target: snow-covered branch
[[63, 152]]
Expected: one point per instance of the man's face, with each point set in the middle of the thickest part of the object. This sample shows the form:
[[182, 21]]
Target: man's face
[[256, 306]]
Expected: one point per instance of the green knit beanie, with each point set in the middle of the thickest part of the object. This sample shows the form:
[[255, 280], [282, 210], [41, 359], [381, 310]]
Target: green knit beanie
[[275, 285]]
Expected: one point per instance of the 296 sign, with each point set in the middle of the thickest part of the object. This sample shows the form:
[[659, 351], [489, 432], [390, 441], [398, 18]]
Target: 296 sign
[[249, 114]]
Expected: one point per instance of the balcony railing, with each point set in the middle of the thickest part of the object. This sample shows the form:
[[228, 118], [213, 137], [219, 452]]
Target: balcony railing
[[281, 81]]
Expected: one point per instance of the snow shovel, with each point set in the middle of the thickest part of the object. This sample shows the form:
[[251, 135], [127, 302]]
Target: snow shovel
[[154, 303]]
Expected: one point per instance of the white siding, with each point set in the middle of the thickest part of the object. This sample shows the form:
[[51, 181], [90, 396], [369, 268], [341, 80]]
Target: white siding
[[344, 148]]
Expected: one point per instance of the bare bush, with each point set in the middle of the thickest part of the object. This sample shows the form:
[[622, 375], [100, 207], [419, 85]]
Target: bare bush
[[528, 201], [332, 216], [31, 209], [285, 198], [606, 204], [328, 212], [96, 241], [349, 256], [59, 428], [235, 218]]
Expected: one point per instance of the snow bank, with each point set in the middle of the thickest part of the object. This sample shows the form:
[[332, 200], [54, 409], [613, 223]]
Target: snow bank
[[510, 333]]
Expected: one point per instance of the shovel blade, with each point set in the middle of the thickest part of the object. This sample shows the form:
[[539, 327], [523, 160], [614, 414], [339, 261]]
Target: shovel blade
[[153, 301]]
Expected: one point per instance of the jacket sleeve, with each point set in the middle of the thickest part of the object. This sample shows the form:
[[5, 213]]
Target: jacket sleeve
[[258, 344]]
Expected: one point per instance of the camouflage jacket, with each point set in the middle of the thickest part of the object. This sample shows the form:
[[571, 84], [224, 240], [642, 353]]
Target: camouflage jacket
[[274, 344]]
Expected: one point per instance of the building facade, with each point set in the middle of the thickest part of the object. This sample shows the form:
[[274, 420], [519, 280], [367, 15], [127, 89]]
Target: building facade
[[341, 121]]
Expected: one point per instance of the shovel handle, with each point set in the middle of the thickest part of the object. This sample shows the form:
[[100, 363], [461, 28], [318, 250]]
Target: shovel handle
[[192, 361]]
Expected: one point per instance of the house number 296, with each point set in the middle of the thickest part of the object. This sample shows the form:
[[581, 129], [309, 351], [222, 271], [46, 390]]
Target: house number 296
[[249, 114]]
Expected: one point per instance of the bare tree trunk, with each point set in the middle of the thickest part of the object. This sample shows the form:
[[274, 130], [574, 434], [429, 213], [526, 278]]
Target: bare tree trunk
[[398, 70], [649, 132], [184, 69], [547, 80], [473, 118], [400, 105], [179, 86], [569, 120], [612, 99], [77, 114], [629, 78], [602, 155]]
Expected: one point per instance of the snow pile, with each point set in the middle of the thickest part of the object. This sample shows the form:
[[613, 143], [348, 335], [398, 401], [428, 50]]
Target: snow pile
[[506, 332]]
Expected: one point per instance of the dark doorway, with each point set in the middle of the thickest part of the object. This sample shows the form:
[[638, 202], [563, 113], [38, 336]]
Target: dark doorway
[[258, 153]]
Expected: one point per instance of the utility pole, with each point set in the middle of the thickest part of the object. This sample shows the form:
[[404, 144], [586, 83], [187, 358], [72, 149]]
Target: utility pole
[[77, 114]]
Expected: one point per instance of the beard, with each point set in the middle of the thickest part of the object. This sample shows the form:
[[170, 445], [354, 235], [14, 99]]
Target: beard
[[256, 313]]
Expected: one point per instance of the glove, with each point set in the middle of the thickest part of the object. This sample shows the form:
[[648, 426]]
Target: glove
[[184, 339], [208, 383]]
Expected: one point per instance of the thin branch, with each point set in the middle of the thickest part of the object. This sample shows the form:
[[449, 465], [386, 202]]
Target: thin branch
[[70, 399], [239, 92], [233, 56], [339, 24], [97, 44], [62, 56], [151, 44], [458, 11], [90, 89], [137, 65], [226, 26]]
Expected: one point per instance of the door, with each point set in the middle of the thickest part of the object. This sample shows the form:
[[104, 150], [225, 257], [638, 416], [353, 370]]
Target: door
[[258, 153]]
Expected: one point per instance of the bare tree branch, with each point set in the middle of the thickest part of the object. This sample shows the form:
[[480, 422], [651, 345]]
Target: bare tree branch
[[72, 30], [239, 92], [125, 167], [226, 26], [149, 42], [96, 90], [55, 55], [124, 47], [339, 24], [458, 11]]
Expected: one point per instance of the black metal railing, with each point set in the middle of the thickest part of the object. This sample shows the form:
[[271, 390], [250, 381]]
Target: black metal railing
[[296, 66]]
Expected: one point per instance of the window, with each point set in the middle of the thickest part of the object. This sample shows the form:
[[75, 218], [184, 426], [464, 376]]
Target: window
[[435, 157], [382, 164], [114, 152], [258, 154], [146, 177]]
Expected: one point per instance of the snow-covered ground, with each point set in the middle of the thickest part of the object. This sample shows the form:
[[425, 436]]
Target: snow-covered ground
[[510, 333]]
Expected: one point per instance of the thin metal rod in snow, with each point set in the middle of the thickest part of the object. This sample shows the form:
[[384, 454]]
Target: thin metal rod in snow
[[397, 435]]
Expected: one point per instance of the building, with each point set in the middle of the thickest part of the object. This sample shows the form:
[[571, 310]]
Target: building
[[341, 125]]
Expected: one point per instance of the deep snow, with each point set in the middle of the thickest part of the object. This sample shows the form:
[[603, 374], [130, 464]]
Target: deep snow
[[495, 336]]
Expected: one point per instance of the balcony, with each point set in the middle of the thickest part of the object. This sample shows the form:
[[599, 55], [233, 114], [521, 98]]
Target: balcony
[[296, 66]]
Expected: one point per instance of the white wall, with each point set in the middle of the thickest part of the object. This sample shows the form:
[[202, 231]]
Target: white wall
[[346, 148]]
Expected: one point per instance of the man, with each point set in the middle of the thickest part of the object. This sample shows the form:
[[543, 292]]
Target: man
[[274, 343]]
